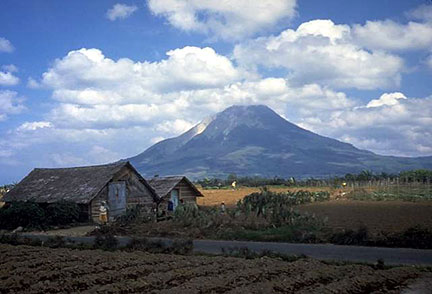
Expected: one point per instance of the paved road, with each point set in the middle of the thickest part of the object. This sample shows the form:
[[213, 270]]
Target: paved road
[[319, 251]]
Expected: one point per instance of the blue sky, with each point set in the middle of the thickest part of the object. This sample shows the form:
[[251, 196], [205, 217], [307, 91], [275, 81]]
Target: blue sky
[[89, 82]]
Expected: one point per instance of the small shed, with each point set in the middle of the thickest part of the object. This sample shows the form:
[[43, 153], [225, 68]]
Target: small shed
[[173, 190], [119, 184]]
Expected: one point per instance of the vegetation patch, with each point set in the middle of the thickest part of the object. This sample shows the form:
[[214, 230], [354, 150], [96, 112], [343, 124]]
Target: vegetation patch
[[31, 215]]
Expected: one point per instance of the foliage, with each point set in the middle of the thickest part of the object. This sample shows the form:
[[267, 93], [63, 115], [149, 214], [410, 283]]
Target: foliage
[[414, 237], [278, 207], [411, 194], [135, 214], [24, 214], [414, 176], [62, 213], [33, 215]]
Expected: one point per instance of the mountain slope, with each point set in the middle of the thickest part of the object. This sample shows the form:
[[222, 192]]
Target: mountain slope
[[254, 140]]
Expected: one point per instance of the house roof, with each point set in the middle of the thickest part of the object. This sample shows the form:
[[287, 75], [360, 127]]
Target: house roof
[[164, 185], [76, 184]]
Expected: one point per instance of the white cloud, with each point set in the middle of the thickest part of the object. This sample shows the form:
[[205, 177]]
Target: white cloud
[[5, 45], [321, 52], [120, 11], [422, 12], [386, 99], [390, 35], [89, 70], [228, 19], [10, 103], [32, 126], [33, 84], [8, 79], [395, 125]]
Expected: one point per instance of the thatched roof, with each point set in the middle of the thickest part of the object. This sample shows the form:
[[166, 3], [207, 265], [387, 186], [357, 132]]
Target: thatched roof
[[164, 185], [76, 184]]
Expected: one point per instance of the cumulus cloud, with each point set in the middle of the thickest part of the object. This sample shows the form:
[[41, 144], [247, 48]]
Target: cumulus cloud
[[10, 103], [120, 11], [386, 99], [6, 45], [228, 19], [322, 52], [8, 79], [393, 125], [390, 35], [89, 70]]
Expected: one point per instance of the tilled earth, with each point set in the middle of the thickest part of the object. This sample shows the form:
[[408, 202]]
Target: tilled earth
[[25, 269]]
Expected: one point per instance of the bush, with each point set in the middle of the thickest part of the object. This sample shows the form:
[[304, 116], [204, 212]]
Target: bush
[[62, 213], [24, 214], [136, 213], [351, 237]]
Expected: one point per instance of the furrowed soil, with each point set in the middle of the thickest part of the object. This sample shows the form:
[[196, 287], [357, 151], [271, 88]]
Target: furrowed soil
[[27, 269]]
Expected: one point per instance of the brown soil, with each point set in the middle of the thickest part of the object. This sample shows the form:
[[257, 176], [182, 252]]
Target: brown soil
[[42, 270], [231, 197], [377, 216]]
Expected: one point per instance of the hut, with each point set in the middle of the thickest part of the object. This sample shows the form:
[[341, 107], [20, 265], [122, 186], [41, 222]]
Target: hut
[[173, 190], [119, 184]]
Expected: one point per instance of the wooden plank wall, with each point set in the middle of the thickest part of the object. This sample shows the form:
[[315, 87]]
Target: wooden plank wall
[[136, 193], [186, 192]]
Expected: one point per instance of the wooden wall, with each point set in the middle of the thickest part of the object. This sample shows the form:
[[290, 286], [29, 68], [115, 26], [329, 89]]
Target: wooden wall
[[136, 193], [186, 192]]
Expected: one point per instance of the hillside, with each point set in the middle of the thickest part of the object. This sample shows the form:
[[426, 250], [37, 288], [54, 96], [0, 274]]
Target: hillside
[[254, 140]]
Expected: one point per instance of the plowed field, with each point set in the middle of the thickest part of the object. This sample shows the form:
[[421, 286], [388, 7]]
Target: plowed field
[[26, 269]]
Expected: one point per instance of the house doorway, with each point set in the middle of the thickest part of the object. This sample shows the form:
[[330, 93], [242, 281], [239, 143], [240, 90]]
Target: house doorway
[[116, 199], [174, 198]]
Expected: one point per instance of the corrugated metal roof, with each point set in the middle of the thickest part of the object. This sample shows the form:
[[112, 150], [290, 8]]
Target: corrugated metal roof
[[76, 184]]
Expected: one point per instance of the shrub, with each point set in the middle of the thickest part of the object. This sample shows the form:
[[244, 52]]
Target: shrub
[[136, 213], [24, 214], [351, 237], [62, 213]]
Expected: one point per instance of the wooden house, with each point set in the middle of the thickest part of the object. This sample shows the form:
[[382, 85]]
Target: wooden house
[[174, 189], [119, 184]]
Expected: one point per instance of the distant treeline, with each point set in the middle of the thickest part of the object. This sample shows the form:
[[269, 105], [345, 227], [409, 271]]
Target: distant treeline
[[414, 176]]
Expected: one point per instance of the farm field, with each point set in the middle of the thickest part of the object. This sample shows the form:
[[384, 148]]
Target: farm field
[[230, 197], [377, 216], [27, 269]]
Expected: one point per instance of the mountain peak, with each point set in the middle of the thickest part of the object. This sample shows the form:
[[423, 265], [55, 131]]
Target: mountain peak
[[255, 140]]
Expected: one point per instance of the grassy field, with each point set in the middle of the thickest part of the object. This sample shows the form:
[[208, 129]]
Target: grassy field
[[44, 270]]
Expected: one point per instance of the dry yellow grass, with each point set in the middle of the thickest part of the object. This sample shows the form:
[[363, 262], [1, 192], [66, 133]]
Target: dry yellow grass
[[230, 197]]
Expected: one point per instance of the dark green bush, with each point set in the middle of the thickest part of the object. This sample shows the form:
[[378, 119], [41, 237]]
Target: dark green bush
[[351, 237], [24, 214], [62, 213]]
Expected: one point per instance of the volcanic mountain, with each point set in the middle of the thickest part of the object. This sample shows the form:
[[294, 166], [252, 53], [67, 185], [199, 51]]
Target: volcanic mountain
[[255, 141]]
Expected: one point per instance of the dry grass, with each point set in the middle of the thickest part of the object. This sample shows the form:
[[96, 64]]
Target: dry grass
[[230, 197]]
